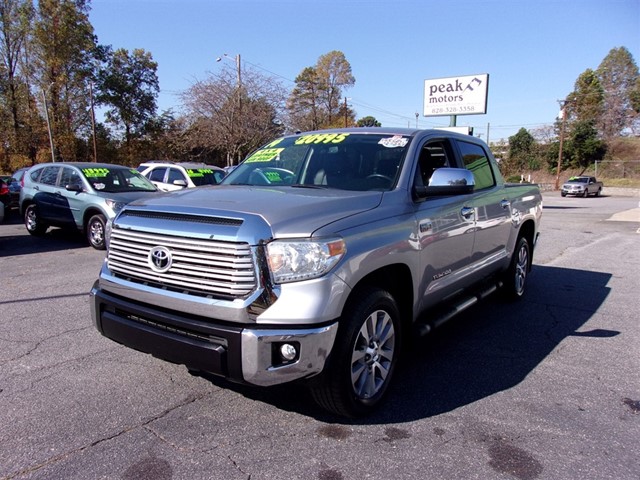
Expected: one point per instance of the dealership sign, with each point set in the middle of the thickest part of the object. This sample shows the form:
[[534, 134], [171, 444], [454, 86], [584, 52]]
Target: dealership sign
[[456, 95]]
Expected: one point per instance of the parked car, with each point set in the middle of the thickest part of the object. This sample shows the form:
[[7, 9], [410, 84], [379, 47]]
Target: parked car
[[19, 174], [1, 212], [13, 196], [169, 176], [82, 196], [582, 186], [5, 197]]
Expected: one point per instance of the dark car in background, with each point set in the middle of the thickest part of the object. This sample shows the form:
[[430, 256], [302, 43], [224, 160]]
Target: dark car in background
[[9, 192], [82, 196]]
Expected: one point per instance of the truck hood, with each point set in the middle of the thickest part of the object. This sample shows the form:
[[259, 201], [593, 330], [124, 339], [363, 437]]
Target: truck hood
[[287, 211]]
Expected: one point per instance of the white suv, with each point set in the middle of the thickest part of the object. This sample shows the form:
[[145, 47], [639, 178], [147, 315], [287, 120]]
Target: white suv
[[168, 176]]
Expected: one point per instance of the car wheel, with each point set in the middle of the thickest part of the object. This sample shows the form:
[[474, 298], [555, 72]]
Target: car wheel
[[598, 192], [516, 275], [585, 193], [363, 360], [35, 226], [562, 194], [96, 231]]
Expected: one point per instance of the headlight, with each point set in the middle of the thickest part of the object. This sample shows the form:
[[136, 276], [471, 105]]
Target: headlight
[[115, 206], [107, 232], [292, 261]]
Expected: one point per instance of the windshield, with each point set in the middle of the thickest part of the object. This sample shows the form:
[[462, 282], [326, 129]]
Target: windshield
[[205, 176], [348, 161], [578, 179], [117, 180]]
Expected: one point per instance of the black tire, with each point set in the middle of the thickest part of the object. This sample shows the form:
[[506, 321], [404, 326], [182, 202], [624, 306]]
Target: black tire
[[95, 231], [516, 275], [35, 226], [364, 357], [562, 194], [598, 192], [585, 193]]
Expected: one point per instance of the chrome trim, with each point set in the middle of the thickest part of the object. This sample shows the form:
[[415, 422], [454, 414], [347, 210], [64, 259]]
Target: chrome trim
[[257, 367]]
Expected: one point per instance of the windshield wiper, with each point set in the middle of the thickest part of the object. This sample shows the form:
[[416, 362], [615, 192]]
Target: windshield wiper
[[306, 185]]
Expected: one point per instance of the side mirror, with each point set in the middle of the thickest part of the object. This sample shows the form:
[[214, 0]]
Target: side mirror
[[180, 183], [74, 187], [447, 181]]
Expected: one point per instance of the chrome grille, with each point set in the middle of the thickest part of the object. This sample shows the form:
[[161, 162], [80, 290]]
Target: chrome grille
[[199, 266]]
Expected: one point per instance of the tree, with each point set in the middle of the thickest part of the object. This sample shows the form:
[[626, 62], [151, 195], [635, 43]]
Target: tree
[[129, 87], [15, 23], [368, 121], [583, 145], [618, 75], [585, 103], [64, 53], [522, 152], [315, 102], [223, 115]]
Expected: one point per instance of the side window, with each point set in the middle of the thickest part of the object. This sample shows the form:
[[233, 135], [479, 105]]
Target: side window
[[69, 177], [433, 155], [49, 175], [157, 174], [175, 174], [475, 159]]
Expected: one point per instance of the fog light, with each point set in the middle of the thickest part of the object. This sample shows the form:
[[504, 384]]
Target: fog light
[[288, 352]]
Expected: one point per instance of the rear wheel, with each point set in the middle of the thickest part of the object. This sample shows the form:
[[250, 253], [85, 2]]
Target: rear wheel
[[95, 231], [364, 357], [35, 226]]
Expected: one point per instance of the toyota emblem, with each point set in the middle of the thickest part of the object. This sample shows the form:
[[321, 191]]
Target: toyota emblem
[[160, 259]]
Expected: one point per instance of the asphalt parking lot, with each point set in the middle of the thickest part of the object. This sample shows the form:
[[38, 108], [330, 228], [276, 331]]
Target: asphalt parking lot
[[546, 388]]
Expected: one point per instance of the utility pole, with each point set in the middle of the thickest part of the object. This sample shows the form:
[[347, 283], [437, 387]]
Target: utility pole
[[46, 111], [93, 123], [345, 112], [563, 112]]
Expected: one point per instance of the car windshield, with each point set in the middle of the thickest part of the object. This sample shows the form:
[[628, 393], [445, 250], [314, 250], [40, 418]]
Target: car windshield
[[204, 176], [348, 161], [117, 180], [578, 180]]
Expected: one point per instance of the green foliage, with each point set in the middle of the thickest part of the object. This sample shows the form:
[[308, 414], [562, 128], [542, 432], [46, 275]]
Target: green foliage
[[368, 122], [584, 147], [618, 75], [128, 86], [315, 102], [522, 152]]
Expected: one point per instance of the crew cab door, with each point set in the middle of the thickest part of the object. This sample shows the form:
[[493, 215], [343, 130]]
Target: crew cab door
[[492, 209], [445, 228]]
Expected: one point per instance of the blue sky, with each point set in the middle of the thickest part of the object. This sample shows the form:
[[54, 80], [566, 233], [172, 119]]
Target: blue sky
[[532, 50]]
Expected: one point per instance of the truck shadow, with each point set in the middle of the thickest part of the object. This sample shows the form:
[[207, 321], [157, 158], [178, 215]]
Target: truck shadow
[[491, 347]]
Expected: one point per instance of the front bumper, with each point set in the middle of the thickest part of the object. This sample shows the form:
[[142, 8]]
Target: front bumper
[[241, 354]]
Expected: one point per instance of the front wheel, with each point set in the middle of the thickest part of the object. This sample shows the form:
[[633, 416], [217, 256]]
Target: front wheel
[[35, 226], [95, 231], [364, 358], [516, 275]]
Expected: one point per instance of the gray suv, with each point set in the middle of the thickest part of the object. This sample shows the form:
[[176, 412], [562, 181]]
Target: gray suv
[[82, 196]]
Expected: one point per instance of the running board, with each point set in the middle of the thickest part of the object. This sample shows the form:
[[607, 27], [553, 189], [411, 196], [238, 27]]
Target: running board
[[460, 305]]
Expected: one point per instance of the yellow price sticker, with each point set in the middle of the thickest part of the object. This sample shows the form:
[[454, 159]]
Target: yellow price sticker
[[264, 155], [95, 172], [321, 138]]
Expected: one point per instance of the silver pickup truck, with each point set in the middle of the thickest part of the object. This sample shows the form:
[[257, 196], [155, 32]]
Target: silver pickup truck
[[317, 259], [582, 186]]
